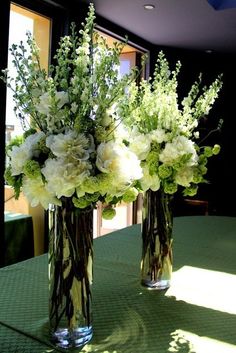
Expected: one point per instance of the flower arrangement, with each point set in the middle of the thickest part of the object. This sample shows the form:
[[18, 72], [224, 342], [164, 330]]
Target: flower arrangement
[[69, 148], [163, 132], [69, 158]]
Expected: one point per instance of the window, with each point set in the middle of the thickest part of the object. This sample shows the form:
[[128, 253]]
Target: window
[[126, 214], [21, 21]]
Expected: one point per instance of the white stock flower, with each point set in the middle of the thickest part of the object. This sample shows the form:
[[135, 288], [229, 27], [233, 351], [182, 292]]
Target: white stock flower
[[46, 101], [117, 159], [177, 148], [74, 107], [121, 132], [36, 193]]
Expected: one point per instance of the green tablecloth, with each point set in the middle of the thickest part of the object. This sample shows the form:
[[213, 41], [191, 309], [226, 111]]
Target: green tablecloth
[[128, 318], [18, 239]]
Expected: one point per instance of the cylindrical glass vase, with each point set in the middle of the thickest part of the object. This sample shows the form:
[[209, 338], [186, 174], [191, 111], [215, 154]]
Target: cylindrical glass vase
[[157, 224], [70, 274]]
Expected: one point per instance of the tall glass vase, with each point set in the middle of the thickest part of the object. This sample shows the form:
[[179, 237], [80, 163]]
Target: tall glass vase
[[157, 224], [70, 274]]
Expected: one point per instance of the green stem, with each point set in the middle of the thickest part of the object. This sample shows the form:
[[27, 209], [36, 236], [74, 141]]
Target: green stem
[[70, 247]]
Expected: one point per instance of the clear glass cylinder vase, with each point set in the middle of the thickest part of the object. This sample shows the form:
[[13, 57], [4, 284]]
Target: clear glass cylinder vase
[[157, 224], [70, 274]]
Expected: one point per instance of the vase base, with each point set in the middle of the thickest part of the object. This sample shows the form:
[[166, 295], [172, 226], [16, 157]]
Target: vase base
[[159, 284], [65, 338]]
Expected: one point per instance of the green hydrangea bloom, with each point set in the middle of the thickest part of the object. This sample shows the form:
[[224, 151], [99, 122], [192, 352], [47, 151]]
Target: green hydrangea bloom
[[170, 188], [80, 203], [190, 191], [202, 159], [130, 195], [108, 213], [216, 149], [86, 200], [164, 171], [197, 176], [203, 169], [208, 151], [152, 162]]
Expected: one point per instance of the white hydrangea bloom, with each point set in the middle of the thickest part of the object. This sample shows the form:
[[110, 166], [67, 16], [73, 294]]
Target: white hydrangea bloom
[[184, 176], [71, 144], [35, 191], [32, 141], [63, 177], [177, 148], [117, 159], [20, 154]]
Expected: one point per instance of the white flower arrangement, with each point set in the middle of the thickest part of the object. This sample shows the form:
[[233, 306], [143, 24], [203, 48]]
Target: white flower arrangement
[[69, 148], [163, 133]]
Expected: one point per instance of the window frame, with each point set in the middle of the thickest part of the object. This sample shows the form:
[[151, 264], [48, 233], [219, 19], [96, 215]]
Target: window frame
[[59, 16]]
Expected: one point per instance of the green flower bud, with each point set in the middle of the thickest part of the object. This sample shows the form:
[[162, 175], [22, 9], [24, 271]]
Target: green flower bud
[[203, 169], [216, 149], [208, 151], [202, 159], [108, 213], [197, 178]]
